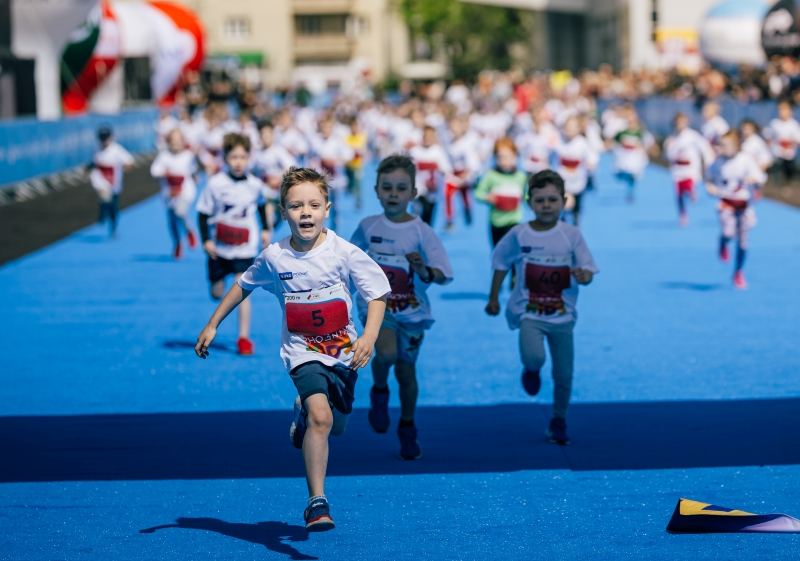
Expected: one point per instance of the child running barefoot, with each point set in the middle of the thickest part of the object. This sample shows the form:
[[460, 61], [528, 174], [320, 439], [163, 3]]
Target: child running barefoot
[[552, 259], [407, 250], [688, 154], [176, 167], [229, 204], [731, 178], [310, 273]]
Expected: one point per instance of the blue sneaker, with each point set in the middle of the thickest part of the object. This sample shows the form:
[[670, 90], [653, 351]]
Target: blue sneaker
[[297, 431], [318, 516], [378, 416], [531, 381], [409, 447], [557, 432]]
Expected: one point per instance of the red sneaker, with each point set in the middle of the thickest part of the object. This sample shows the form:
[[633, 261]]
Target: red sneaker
[[738, 280], [192, 239], [724, 255], [245, 346], [178, 251]]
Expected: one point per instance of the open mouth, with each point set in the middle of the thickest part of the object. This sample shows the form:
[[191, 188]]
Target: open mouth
[[306, 226]]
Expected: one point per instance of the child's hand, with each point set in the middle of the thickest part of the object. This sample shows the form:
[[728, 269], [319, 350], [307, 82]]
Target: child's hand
[[493, 307], [362, 352], [417, 264], [210, 248], [758, 194], [711, 188], [266, 236], [582, 276], [204, 340]]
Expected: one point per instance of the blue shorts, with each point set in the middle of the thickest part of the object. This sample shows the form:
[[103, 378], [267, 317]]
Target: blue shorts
[[338, 383], [409, 337]]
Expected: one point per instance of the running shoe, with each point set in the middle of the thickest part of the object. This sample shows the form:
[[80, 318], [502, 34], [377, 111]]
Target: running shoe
[[318, 516], [297, 431], [684, 220], [557, 432], [192, 239], [245, 346], [178, 253], [378, 416], [531, 381], [724, 254], [738, 280], [449, 227], [409, 447]]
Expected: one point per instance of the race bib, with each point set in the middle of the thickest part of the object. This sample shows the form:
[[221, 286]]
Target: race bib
[[428, 174], [175, 184], [507, 198], [570, 165], [318, 313], [108, 173], [546, 278], [786, 144], [232, 235], [401, 280]]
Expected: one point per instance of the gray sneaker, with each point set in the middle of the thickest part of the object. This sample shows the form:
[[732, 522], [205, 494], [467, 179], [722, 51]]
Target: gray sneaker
[[557, 432]]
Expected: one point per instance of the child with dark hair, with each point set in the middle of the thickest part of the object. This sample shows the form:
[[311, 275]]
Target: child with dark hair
[[107, 168], [784, 137], [229, 210], [433, 165], [551, 259], [413, 257]]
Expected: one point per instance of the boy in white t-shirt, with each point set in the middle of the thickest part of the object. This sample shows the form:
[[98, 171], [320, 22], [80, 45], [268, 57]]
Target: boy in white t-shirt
[[176, 167], [270, 163], [310, 272], [108, 165], [551, 259], [229, 211], [576, 160], [413, 257], [784, 136], [433, 165]]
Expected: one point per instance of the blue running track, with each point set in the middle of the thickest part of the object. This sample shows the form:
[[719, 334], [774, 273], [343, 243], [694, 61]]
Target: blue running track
[[116, 442]]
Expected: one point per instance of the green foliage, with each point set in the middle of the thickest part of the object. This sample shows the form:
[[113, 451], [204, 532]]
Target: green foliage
[[474, 37]]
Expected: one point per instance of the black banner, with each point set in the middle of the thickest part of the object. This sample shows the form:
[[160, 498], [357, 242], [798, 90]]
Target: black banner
[[779, 33]]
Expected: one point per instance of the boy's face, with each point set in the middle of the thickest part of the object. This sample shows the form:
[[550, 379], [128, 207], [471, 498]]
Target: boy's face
[[395, 191], [428, 138], [785, 111], [709, 111], [681, 123], [571, 128], [547, 204], [506, 159], [456, 128], [325, 129], [729, 147], [175, 142], [748, 130], [266, 136], [305, 209], [237, 160]]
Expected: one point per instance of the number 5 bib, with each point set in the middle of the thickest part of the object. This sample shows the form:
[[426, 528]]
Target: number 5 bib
[[545, 279], [317, 313]]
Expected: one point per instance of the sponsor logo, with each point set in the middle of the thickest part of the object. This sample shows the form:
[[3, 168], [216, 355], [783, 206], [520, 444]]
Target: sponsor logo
[[525, 249], [289, 275], [293, 298], [375, 239], [285, 276], [313, 296], [300, 273]]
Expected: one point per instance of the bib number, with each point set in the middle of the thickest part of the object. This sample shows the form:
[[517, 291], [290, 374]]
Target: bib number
[[401, 280], [505, 203], [107, 172], [317, 313], [175, 184], [545, 283], [232, 235]]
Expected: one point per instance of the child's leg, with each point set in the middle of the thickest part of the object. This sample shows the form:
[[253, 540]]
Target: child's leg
[[406, 373], [315, 442], [114, 212], [727, 221], [742, 235], [531, 345], [245, 311], [560, 341], [449, 190], [174, 229], [467, 206], [385, 357], [339, 423]]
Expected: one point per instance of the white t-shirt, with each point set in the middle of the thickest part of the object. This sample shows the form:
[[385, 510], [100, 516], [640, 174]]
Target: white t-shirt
[[176, 172], [535, 148], [108, 168], [316, 287], [432, 163], [734, 176], [388, 243], [784, 137], [293, 140], [329, 155], [464, 157], [271, 162], [688, 152], [575, 159], [756, 147], [714, 129], [544, 290], [232, 208]]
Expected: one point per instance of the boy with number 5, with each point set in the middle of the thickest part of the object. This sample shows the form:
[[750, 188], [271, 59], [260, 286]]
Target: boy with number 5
[[310, 272], [551, 259]]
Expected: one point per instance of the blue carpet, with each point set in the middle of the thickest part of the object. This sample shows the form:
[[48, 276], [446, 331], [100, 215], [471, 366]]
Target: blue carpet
[[116, 441]]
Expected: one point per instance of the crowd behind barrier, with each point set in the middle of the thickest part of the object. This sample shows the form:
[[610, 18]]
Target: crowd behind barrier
[[31, 148]]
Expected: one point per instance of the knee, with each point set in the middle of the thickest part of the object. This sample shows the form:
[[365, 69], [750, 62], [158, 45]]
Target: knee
[[532, 361], [217, 290], [386, 354], [405, 376], [320, 419]]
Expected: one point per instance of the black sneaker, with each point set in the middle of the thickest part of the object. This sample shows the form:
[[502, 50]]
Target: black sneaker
[[378, 416], [409, 447], [318, 516], [531, 381], [557, 432], [297, 431]]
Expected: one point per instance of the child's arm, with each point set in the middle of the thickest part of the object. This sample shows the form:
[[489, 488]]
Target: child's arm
[[426, 274], [365, 345], [493, 306], [235, 296], [582, 276]]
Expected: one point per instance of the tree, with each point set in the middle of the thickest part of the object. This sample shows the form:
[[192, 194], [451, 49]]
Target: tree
[[471, 37]]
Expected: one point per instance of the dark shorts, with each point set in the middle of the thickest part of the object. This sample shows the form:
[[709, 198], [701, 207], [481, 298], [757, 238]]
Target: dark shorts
[[220, 268], [336, 382]]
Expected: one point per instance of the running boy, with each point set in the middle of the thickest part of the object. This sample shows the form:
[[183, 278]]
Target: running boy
[[631, 147], [463, 152], [552, 259], [784, 136], [176, 167], [407, 250], [731, 178], [108, 165], [310, 273], [229, 205], [576, 161], [271, 162], [433, 165]]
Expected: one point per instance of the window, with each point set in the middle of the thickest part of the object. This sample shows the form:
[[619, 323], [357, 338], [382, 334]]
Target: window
[[237, 29], [327, 24]]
